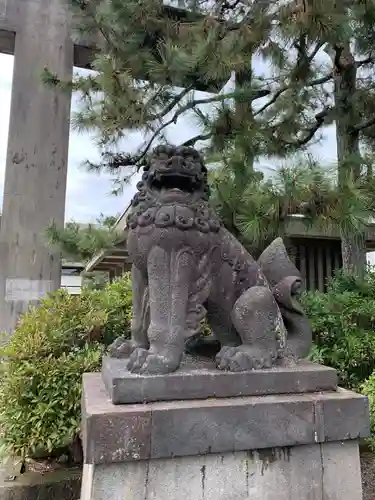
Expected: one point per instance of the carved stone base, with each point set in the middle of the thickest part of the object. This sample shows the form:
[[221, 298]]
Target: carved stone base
[[275, 447], [200, 379]]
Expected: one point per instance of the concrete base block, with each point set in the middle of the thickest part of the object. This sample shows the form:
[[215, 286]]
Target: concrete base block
[[328, 471]]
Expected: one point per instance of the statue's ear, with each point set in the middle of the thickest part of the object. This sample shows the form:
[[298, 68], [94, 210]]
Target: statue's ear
[[276, 264]]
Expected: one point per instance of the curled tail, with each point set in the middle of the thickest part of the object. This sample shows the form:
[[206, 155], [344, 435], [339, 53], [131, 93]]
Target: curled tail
[[286, 284]]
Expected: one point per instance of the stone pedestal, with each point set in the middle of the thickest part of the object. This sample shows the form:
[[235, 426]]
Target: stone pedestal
[[200, 379], [244, 447]]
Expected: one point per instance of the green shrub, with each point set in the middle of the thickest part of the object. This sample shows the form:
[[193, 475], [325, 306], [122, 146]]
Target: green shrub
[[343, 322], [368, 388], [52, 347]]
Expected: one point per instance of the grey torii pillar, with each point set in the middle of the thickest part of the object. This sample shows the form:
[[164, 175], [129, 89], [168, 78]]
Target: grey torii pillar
[[36, 165]]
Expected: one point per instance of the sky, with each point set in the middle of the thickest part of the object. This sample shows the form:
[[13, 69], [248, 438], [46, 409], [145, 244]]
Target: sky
[[88, 194]]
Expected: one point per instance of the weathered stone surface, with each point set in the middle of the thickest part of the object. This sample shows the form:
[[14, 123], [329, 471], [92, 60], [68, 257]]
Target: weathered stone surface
[[112, 434], [201, 380], [341, 471], [328, 471], [168, 429], [186, 266], [63, 484], [37, 157], [344, 418], [215, 426]]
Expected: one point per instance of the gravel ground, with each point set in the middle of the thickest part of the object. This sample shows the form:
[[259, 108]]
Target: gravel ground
[[368, 475]]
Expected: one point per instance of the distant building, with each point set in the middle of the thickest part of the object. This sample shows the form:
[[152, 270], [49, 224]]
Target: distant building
[[71, 278], [71, 272], [116, 260]]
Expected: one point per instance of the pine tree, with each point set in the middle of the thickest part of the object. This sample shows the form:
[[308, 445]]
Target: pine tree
[[262, 210], [151, 61], [335, 40], [153, 58]]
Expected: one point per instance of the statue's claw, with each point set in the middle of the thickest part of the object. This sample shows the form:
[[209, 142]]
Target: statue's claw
[[137, 359], [243, 358], [121, 348], [148, 363]]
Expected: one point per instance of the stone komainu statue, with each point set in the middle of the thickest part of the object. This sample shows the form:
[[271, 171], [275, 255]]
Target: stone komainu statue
[[187, 266]]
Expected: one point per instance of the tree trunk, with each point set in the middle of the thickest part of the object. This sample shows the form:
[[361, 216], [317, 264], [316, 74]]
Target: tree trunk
[[244, 116], [353, 245]]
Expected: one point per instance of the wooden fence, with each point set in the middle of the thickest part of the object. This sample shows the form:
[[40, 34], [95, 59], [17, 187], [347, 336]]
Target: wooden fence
[[316, 259]]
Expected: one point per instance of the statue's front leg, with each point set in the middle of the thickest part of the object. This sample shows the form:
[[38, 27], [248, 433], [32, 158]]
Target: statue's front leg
[[169, 275], [123, 347], [257, 319]]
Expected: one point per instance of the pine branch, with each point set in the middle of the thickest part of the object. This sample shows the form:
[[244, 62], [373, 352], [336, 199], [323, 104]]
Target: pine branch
[[200, 137], [365, 124], [315, 51], [88, 9], [137, 160], [368, 60], [320, 120], [251, 95], [196, 49], [320, 81], [176, 100], [271, 101], [313, 83], [81, 243], [310, 134]]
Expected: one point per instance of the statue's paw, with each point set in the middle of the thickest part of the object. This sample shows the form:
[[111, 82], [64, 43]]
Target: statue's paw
[[137, 359], [121, 348], [147, 363], [244, 358]]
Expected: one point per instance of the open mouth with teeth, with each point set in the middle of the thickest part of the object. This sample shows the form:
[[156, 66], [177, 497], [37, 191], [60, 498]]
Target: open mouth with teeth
[[173, 182]]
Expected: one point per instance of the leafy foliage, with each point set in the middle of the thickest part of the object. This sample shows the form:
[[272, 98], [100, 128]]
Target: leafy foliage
[[343, 322], [336, 40], [368, 388], [257, 210], [41, 400], [153, 60], [52, 347], [81, 242]]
